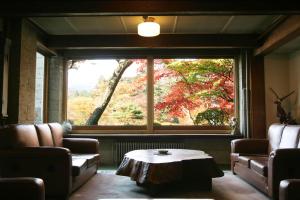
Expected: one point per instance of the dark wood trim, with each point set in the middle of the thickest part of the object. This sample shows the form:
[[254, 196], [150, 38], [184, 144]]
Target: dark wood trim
[[145, 7], [79, 54], [257, 98], [45, 50], [155, 136], [105, 127], [285, 32], [14, 28], [132, 41], [46, 86]]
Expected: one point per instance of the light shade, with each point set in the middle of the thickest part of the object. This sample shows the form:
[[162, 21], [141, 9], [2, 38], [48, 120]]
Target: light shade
[[148, 28]]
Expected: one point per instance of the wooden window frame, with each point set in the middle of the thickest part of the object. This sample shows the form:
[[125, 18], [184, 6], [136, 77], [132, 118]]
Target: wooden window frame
[[150, 128]]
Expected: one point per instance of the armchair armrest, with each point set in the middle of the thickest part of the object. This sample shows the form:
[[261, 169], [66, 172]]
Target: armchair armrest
[[52, 164], [283, 164], [82, 145], [250, 146], [22, 188], [289, 189]]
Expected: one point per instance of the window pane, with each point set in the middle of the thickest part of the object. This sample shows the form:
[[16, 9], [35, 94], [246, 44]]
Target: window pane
[[193, 91], [39, 87], [91, 81]]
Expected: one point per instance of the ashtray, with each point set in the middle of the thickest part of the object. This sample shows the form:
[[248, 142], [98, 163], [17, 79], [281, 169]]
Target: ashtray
[[163, 151]]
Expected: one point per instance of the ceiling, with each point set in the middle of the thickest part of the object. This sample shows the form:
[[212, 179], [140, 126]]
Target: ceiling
[[197, 24], [205, 24]]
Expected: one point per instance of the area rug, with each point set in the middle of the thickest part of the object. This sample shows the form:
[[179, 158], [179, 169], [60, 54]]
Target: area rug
[[110, 186]]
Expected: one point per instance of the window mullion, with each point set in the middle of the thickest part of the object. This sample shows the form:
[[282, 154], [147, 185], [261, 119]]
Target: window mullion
[[150, 95]]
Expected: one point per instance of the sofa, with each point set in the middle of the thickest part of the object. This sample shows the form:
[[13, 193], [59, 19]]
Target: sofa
[[41, 151], [22, 188], [264, 163]]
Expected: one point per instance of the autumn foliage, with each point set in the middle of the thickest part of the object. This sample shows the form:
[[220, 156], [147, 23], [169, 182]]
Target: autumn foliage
[[202, 89]]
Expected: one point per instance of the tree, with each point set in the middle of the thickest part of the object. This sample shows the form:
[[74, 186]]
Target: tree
[[201, 89], [113, 82]]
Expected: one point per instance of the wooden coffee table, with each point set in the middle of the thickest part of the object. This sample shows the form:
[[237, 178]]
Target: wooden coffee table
[[148, 167]]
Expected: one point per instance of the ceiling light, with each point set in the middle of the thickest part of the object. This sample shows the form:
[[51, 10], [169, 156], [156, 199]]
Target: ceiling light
[[148, 28]]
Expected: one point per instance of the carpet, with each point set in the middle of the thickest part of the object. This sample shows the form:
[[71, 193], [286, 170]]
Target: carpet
[[110, 186]]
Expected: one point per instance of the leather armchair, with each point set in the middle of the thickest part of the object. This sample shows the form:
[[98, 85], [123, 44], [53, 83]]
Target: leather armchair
[[265, 162], [22, 188]]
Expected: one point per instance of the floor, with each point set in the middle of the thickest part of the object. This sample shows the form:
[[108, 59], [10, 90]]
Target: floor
[[107, 185]]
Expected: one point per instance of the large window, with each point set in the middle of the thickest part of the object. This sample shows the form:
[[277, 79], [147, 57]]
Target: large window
[[151, 94]]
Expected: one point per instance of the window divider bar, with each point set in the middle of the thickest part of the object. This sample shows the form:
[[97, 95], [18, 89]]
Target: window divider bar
[[150, 94]]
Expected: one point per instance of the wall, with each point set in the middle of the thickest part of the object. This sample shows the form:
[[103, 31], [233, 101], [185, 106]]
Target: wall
[[294, 84], [282, 74], [216, 146], [27, 74], [55, 89], [21, 81]]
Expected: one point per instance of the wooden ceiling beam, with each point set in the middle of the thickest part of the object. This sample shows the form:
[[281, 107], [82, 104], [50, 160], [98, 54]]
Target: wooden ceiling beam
[[145, 7], [161, 41], [79, 54], [288, 30]]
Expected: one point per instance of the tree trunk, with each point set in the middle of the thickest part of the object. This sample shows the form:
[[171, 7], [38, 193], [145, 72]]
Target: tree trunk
[[112, 84]]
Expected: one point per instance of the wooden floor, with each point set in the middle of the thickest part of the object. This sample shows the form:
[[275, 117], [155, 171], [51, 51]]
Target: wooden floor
[[110, 186]]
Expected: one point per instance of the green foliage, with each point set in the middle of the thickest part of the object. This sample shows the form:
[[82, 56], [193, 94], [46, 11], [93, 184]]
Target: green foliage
[[214, 117]]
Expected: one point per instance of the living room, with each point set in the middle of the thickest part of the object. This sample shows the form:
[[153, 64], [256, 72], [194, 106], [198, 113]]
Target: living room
[[260, 40]]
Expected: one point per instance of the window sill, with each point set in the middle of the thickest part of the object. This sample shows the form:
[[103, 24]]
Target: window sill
[[157, 135]]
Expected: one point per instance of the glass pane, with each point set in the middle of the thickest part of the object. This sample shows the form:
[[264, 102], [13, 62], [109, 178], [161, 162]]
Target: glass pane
[[39, 87], [90, 84], [193, 91]]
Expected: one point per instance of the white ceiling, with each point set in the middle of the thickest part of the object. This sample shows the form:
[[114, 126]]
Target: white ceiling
[[169, 24], [204, 24]]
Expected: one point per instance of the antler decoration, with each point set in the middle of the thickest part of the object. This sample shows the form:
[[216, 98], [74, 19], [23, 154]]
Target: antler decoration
[[281, 98], [281, 114]]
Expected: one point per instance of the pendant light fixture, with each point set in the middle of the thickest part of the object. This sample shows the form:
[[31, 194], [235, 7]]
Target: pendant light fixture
[[148, 28]]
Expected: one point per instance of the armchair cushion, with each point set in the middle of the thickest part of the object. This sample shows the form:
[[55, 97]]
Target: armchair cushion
[[260, 165]]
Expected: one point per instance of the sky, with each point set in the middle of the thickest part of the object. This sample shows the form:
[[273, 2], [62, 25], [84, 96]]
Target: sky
[[87, 74]]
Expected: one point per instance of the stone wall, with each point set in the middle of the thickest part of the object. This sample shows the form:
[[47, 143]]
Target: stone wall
[[27, 74], [55, 89]]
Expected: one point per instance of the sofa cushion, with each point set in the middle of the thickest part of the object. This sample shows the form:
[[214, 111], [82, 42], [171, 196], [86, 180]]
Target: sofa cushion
[[290, 137], [57, 134], [23, 135], [274, 135], [260, 165], [78, 165], [44, 135], [81, 162]]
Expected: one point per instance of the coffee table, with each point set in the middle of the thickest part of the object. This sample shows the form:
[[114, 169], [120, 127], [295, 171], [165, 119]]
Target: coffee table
[[148, 167]]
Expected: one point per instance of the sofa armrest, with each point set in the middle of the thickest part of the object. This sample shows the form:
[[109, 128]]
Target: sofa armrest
[[250, 146], [289, 189], [22, 188], [52, 164], [283, 164], [82, 145]]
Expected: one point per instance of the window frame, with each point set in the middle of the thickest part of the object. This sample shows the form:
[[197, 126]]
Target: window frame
[[149, 128], [45, 85]]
